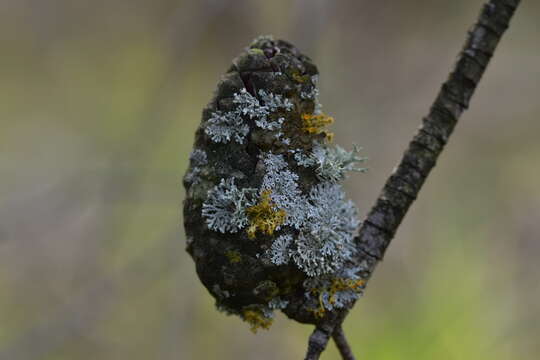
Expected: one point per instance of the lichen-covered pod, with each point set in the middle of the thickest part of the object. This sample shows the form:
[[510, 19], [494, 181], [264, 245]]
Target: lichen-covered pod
[[266, 220]]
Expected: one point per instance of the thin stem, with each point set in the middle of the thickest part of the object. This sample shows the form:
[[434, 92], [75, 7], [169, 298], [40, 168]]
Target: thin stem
[[404, 184], [341, 342], [322, 333], [317, 343]]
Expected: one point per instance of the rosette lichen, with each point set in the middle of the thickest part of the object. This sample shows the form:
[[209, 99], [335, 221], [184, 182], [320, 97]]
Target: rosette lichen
[[267, 222]]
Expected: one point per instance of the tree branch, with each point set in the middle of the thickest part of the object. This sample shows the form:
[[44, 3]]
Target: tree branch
[[317, 343], [322, 333], [407, 179], [405, 182], [342, 344]]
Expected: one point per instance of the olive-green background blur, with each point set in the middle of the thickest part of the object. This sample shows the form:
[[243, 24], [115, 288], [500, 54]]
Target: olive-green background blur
[[99, 101]]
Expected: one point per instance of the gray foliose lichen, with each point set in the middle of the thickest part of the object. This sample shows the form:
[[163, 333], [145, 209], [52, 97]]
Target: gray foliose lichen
[[267, 221]]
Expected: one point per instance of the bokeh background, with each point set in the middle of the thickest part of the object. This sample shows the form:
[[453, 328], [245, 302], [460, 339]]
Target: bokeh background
[[99, 101]]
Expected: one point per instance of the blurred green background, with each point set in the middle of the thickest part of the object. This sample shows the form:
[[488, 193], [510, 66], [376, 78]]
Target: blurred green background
[[99, 101]]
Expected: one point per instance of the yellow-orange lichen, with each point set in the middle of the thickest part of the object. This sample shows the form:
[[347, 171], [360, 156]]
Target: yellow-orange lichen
[[315, 124], [256, 319], [299, 78], [264, 216], [233, 256], [338, 284]]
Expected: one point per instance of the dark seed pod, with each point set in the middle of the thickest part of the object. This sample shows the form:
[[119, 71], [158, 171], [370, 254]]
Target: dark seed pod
[[266, 220]]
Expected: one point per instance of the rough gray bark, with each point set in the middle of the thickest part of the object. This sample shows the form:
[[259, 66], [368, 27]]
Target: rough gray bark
[[404, 184]]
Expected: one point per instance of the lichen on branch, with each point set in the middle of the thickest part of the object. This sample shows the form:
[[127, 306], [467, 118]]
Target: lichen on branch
[[265, 215]]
